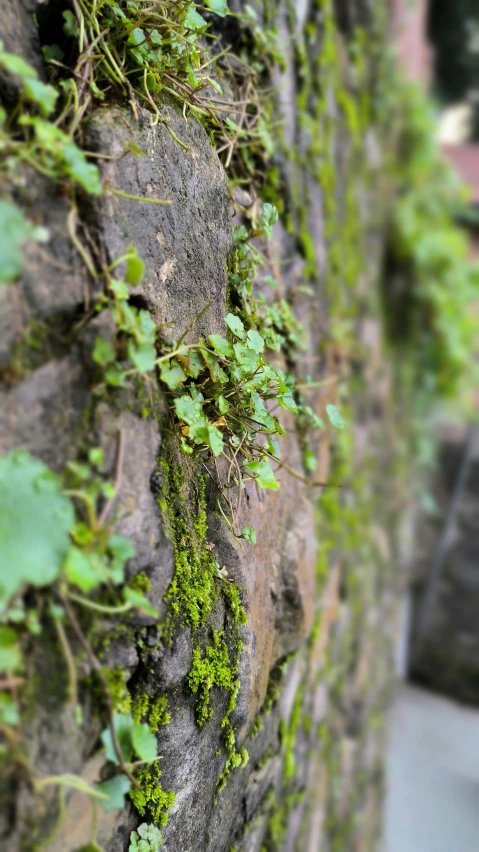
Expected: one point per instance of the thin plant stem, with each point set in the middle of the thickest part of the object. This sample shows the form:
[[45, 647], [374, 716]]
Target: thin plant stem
[[67, 653], [76, 242], [98, 669], [118, 473], [128, 195], [299, 476], [109, 610]]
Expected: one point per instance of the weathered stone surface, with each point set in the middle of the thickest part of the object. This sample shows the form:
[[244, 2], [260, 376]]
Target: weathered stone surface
[[43, 413], [184, 245], [19, 34], [277, 577], [53, 285]]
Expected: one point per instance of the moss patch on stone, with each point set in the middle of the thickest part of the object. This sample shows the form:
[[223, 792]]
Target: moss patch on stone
[[152, 801]]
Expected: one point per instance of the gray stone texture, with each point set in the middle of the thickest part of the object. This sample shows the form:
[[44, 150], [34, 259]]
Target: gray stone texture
[[445, 634]]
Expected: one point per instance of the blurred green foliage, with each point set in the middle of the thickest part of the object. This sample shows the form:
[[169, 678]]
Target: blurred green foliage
[[431, 283]]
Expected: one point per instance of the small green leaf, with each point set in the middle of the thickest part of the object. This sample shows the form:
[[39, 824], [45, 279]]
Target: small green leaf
[[214, 440], [150, 832], [52, 51], [81, 472], [137, 36], [269, 217], [143, 355], [96, 456], [134, 838], [15, 229], [220, 7], [209, 435], [247, 358], [221, 345], [255, 341], [115, 789], [235, 325], [172, 374], [139, 601], [287, 401], [216, 371], [147, 326], [188, 410], [263, 474], [108, 490], [9, 714], [70, 27], [144, 742], [80, 570], [273, 447], [35, 520], [193, 19], [78, 168], [16, 65], [310, 461], [222, 403], [155, 37], [195, 364], [135, 268], [121, 549], [10, 657], [103, 352], [249, 534], [334, 416], [119, 288], [115, 375], [123, 724], [42, 94]]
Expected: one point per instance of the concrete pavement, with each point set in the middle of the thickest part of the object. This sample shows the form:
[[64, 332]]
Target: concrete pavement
[[433, 775]]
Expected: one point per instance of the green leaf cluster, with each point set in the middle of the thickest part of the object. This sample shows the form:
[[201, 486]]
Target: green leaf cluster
[[35, 521], [146, 838], [134, 738], [46, 147], [160, 50], [430, 318], [133, 325], [274, 320], [15, 230]]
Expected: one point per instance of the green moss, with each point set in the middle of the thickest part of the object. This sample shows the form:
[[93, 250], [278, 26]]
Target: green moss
[[194, 589], [210, 670], [214, 668], [152, 801], [116, 680], [154, 711], [140, 706], [288, 736], [141, 582], [278, 822], [193, 592], [257, 726], [158, 715]]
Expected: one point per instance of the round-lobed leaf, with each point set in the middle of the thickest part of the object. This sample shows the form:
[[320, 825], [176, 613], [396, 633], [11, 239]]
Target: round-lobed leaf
[[35, 521]]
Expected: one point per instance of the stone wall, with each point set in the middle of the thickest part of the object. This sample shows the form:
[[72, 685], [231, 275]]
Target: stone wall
[[444, 625], [314, 654]]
